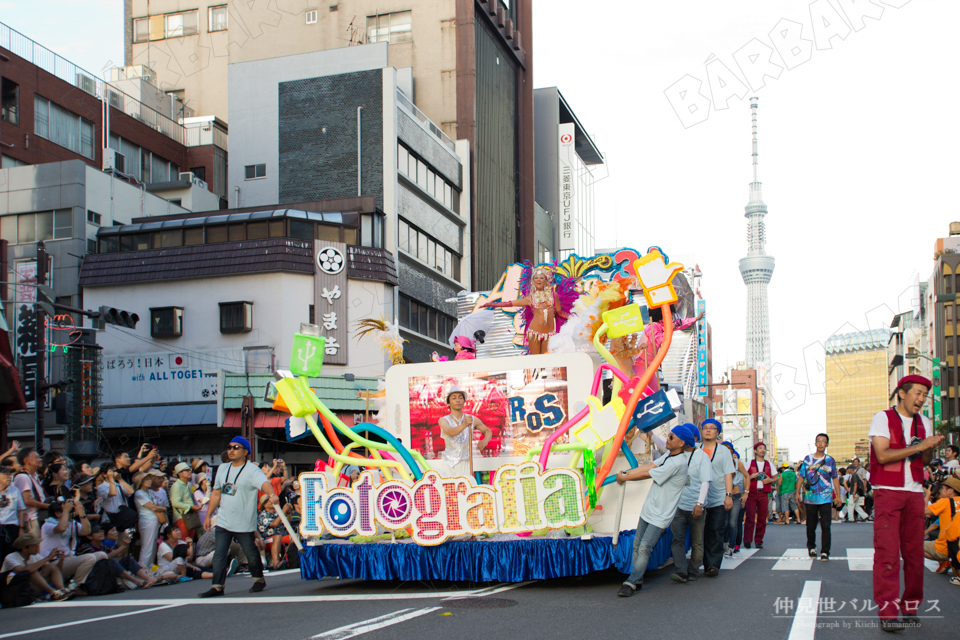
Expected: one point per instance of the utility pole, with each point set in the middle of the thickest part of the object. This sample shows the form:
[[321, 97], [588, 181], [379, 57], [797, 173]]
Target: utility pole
[[40, 395]]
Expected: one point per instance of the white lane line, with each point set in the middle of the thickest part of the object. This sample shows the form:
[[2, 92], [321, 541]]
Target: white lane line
[[860, 559], [142, 602], [373, 624], [734, 561], [794, 560], [932, 565], [75, 622], [282, 572], [805, 621]]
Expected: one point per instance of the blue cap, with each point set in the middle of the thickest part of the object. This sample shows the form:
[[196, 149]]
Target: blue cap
[[684, 433], [716, 423], [696, 432], [243, 442], [730, 444]]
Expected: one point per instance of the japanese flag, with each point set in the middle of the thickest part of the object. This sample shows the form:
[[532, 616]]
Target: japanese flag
[[178, 361]]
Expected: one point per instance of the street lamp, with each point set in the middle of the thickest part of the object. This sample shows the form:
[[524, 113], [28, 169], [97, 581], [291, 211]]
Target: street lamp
[[937, 393]]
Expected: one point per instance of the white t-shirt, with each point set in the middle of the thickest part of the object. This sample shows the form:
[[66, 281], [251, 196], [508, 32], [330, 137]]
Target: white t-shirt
[[167, 566], [951, 464], [238, 512], [14, 559], [141, 498], [11, 501], [51, 540], [111, 504], [27, 482], [160, 497], [669, 477], [880, 427]]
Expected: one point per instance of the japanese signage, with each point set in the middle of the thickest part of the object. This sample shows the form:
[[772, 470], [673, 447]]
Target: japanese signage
[[26, 347], [89, 407], [165, 377], [330, 299], [568, 203], [702, 380], [523, 498]]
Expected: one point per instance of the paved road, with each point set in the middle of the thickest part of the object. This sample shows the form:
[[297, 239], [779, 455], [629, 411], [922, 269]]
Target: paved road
[[765, 589]]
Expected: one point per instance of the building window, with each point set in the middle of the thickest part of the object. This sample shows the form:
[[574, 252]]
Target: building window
[[389, 27], [948, 312], [310, 313], [62, 127], [371, 230], [93, 217], [200, 173], [425, 320], [9, 101], [178, 25], [424, 248], [141, 30], [236, 317], [91, 245], [31, 227], [166, 322], [947, 283], [217, 18], [312, 17], [254, 171], [419, 172]]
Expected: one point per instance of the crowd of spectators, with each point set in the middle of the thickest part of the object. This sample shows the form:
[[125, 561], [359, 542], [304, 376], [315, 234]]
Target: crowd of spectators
[[69, 530]]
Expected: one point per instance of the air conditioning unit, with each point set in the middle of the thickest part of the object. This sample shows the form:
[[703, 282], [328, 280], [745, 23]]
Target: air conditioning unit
[[113, 160], [115, 100], [87, 83], [189, 175]]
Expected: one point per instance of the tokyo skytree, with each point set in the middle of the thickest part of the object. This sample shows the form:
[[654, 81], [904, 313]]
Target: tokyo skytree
[[756, 269]]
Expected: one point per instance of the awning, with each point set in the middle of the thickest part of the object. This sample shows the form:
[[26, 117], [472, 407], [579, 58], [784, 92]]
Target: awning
[[174, 415], [273, 419], [11, 392]]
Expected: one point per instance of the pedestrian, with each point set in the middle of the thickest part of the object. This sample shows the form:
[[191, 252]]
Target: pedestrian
[[731, 545], [690, 515], [719, 498], [235, 494], [788, 499], [669, 475], [901, 442], [821, 492], [842, 482], [855, 494], [761, 479]]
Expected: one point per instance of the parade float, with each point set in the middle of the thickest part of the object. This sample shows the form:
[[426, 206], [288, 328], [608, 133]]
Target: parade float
[[559, 363]]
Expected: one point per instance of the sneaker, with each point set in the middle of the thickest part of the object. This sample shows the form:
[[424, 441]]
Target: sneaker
[[813, 553], [891, 625], [911, 621], [625, 591], [728, 553], [258, 586], [944, 567], [736, 549], [711, 572], [212, 593], [759, 546], [232, 567], [955, 581], [679, 577], [693, 575], [824, 556]]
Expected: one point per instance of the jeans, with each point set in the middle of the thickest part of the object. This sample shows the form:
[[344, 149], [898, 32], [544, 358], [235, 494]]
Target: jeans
[[733, 522], [129, 564], [682, 521], [247, 541], [643, 543], [823, 513], [713, 537]]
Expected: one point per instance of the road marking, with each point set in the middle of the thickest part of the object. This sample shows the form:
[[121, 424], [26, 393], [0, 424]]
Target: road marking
[[75, 622], [860, 559], [141, 602], [794, 560], [805, 621], [373, 624], [734, 561], [932, 565]]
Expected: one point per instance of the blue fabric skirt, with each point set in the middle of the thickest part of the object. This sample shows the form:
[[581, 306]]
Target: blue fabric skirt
[[477, 561]]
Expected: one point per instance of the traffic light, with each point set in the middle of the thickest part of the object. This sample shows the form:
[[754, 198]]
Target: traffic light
[[119, 317]]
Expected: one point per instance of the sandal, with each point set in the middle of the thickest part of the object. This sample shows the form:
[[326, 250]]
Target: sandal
[[61, 594]]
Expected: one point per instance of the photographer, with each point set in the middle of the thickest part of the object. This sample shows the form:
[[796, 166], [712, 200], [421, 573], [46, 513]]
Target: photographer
[[44, 570], [62, 531], [116, 544], [901, 442], [938, 506], [114, 493]]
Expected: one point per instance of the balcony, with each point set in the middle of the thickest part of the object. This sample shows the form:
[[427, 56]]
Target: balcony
[[425, 122]]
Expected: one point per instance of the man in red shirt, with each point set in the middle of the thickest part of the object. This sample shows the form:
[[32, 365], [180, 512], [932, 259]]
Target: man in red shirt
[[901, 443]]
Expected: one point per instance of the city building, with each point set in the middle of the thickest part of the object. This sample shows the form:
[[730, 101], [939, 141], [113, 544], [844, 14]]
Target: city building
[[856, 374], [53, 111], [346, 116], [472, 74], [567, 162], [908, 342], [689, 363], [738, 406], [941, 323]]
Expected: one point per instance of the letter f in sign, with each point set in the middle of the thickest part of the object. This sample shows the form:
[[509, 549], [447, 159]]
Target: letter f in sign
[[656, 277]]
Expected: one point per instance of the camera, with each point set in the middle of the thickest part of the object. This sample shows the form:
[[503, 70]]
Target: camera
[[913, 442], [761, 476], [130, 532]]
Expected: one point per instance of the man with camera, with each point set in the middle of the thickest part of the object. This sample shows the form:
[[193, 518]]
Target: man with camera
[[62, 530], [938, 500], [901, 442], [235, 494]]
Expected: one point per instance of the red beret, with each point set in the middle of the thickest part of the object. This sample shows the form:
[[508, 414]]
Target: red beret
[[759, 444], [915, 378]]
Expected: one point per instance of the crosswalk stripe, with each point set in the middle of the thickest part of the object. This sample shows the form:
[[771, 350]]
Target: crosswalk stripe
[[737, 559], [860, 559], [794, 560]]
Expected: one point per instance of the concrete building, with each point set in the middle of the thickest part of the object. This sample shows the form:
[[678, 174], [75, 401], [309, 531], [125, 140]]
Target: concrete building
[[856, 389], [345, 115], [908, 339], [941, 323], [737, 405], [472, 71], [567, 160], [54, 111]]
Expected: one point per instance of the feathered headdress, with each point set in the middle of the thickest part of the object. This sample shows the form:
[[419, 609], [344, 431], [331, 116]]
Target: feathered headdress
[[564, 288], [386, 334]]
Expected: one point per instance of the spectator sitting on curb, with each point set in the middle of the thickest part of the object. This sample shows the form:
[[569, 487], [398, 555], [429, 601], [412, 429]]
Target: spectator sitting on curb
[[44, 570], [128, 569], [61, 531]]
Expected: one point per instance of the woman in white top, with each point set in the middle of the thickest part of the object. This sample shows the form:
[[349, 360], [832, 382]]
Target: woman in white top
[[202, 496], [148, 524], [169, 567]]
